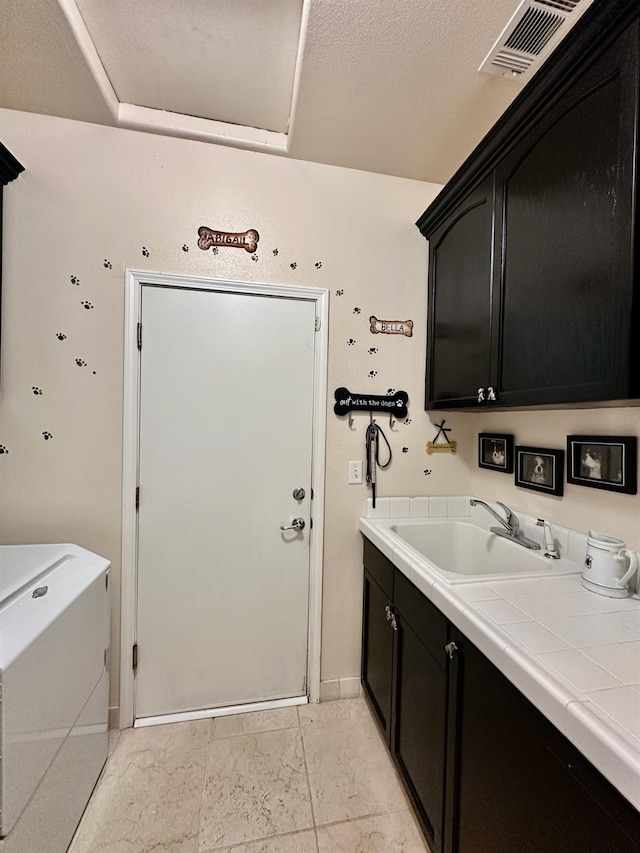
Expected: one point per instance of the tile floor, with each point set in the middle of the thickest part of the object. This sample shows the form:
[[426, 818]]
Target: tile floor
[[312, 779]]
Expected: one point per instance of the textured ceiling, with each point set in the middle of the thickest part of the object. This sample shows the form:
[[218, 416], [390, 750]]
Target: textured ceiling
[[388, 86]]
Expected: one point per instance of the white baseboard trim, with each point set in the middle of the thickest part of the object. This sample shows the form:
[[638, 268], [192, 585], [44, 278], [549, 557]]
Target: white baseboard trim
[[340, 688]]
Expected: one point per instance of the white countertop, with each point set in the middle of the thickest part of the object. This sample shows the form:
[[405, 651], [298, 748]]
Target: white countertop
[[574, 654]]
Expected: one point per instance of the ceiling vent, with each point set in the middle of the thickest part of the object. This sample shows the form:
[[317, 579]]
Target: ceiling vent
[[535, 29]]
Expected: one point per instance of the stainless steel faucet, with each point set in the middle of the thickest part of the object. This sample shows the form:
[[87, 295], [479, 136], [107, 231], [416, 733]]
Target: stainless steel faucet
[[510, 525]]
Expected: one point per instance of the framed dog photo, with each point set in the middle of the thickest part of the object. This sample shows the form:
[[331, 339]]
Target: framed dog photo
[[603, 462], [495, 451], [540, 469]]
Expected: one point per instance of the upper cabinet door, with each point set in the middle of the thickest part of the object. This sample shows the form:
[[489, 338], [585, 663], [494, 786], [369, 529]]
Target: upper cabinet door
[[459, 336], [566, 290]]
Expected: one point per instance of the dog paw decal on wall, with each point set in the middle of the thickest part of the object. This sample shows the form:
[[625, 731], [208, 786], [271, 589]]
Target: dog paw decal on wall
[[61, 336], [74, 280], [357, 310], [318, 265], [351, 342], [107, 264], [37, 391], [426, 472], [340, 292], [185, 248], [275, 253], [145, 252], [86, 305], [372, 350], [293, 265], [47, 435], [3, 450]]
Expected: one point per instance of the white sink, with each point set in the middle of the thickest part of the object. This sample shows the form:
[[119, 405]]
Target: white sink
[[460, 551]]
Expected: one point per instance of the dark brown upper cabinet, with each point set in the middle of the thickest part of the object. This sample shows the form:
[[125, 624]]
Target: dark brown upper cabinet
[[533, 293]]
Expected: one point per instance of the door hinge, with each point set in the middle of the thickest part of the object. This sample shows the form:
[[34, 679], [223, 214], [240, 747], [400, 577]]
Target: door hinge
[[139, 335], [137, 498], [134, 657], [318, 324]]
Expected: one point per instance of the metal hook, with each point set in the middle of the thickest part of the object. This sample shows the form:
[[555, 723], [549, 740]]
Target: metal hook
[[350, 420], [391, 420]]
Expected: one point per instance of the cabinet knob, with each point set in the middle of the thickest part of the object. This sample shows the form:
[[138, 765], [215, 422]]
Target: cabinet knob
[[450, 649], [481, 395], [391, 617], [491, 394]]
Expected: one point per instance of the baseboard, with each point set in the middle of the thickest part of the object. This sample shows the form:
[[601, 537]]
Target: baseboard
[[340, 688]]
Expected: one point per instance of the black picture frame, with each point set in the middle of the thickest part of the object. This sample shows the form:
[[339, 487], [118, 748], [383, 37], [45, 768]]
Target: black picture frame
[[603, 462], [495, 451], [540, 469]]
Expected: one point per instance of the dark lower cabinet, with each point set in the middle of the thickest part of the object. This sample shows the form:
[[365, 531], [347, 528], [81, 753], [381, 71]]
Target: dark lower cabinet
[[485, 770], [517, 783], [419, 733]]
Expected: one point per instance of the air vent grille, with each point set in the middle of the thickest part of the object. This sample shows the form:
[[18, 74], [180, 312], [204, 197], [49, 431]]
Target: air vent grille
[[534, 31], [530, 36]]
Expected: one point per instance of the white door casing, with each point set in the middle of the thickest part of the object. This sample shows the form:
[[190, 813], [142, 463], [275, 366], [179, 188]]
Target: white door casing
[[223, 449]]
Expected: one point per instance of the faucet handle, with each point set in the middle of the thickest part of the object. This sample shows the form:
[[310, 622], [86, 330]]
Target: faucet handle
[[512, 518]]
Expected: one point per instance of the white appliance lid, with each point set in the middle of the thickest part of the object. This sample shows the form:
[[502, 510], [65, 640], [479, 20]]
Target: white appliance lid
[[22, 565]]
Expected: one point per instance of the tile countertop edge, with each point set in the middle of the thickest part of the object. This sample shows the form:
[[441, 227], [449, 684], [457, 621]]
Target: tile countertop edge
[[612, 750]]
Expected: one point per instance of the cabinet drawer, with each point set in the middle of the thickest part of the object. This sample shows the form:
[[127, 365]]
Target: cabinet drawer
[[379, 567], [426, 621]]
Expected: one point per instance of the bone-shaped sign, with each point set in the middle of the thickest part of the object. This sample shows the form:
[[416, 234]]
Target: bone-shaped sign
[[347, 402], [390, 327], [209, 237]]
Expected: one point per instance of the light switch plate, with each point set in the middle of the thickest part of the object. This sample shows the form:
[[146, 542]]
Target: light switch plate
[[355, 472]]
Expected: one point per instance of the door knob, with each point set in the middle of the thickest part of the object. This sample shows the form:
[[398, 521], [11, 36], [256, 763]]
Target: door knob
[[296, 524]]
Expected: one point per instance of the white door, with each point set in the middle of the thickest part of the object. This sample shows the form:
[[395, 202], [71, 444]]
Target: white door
[[226, 405]]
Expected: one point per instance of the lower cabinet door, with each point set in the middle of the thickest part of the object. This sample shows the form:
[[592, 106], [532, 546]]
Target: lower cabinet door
[[377, 651], [418, 738], [519, 784]]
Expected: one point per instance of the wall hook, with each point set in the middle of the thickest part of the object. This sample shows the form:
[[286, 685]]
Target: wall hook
[[391, 420], [350, 420]]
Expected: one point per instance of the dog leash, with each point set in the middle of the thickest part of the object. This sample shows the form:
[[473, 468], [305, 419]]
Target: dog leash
[[372, 450]]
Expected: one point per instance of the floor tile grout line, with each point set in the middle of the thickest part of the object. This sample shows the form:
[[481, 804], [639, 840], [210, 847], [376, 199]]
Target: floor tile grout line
[[204, 779], [237, 844], [306, 770]]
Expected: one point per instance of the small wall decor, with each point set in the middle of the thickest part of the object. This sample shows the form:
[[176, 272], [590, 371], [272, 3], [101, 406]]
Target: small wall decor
[[445, 446], [391, 327], [495, 451], [209, 237], [540, 469], [603, 462], [395, 404]]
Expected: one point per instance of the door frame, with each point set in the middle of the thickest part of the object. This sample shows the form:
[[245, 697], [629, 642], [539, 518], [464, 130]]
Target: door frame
[[134, 281]]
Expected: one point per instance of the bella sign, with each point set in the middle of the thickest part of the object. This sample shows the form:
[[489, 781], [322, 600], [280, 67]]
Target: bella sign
[[391, 327], [209, 237]]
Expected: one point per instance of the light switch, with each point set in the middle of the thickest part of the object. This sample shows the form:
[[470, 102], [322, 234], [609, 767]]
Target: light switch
[[355, 472]]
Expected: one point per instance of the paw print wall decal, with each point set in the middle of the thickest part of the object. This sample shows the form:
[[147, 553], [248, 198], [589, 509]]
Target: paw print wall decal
[[426, 472], [86, 305], [351, 342], [37, 391], [107, 264], [340, 292], [254, 257], [145, 252], [318, 265], [61, 336], [372, 350], [373, 373], [74, 280], [47, 435], [185, 248], [275, 253], [405, 449], [81, 362], [407, 422], [3, 450], [293, 265]]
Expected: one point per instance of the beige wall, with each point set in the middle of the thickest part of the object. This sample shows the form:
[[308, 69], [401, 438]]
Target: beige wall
[[93, 194]]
